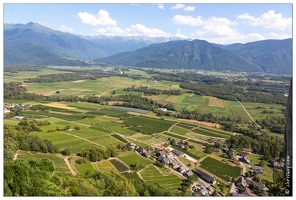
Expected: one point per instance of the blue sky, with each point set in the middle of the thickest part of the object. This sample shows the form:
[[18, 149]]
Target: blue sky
[[223, 23]]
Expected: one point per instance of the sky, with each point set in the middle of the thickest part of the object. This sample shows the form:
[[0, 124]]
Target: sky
[[222, 23]]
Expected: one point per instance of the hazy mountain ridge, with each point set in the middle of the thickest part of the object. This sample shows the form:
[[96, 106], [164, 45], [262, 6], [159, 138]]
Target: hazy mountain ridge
[[27, 43]]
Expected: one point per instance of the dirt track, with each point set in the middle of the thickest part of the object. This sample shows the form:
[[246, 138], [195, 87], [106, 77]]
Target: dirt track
[[202, 123]]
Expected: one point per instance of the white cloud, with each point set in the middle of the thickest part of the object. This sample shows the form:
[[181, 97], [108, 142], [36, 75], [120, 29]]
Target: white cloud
[[180, 35], [223, 34], [143, 30], [188, 20], [273, 35], [177, 7], [102, 18], [66, 29], [134, 30], [189, 8], [160, 6], [267, 20], [199, 21]]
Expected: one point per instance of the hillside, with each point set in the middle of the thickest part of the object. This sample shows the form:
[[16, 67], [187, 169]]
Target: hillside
[[35, 44], [56, 42], [197, 54], [120, 44], [273, 56]]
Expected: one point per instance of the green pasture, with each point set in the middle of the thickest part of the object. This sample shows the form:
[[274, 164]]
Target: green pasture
[[170, 182], [197, 153], [220, 169], [63, 141], [267, 171], [138, 143], [23, 75], [84, 169], [179, 130], [109, 111], [12, 122], [256, 113], [106, 167], [101, 86], [59, 163], [148, 125], [187, 126], [211, 132], [131, 158], [118, 137], [174, 135]]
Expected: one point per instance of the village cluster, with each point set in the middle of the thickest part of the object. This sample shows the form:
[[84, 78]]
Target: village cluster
[[240, 187]]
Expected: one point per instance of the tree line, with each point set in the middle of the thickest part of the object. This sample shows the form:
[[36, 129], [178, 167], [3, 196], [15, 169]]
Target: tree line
[[152, 91]]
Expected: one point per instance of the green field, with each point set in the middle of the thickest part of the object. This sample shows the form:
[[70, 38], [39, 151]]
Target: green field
[[118, 137], [174, 135], [148, 125], [220, 169], [131, 158], [84, 169], [211, 132], [59, 163], [256, 113], [106, 167], [179, 130], [63, 141], [171, 182], [118, 165]]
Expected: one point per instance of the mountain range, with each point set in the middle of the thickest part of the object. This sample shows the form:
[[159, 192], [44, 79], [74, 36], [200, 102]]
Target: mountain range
[[35, 44]]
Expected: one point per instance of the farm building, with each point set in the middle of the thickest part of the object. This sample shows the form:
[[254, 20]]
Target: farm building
[[205, 176], [143, 152], [217, 150], [163, 159], [257, 168], [174, 164], [278, 165], [170, 157], [189, 173], [180, 145], [18, 117], [241, 182], [181, 169], [244, 158], [160, 152], [129, 144], [177, 152], [246, 192]]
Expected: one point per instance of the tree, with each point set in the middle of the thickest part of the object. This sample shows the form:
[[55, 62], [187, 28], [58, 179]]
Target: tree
[[66, 152], [93, 155]]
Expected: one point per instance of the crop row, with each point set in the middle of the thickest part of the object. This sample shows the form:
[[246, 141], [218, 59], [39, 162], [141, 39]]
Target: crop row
[[119, 166], [220, 169]]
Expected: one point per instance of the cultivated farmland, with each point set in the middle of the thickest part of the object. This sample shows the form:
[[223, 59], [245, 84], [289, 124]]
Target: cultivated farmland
[[153, 175], [131, 158], [147, 125], [219, 169]]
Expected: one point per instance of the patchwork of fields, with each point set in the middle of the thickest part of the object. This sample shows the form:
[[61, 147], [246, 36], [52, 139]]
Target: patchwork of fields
[[117, 125]]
